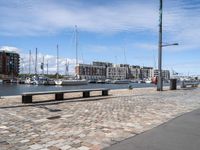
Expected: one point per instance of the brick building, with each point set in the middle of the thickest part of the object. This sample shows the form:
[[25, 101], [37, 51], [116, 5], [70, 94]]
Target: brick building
[[9, 64]]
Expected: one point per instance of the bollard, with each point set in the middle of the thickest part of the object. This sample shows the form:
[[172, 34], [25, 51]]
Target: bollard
[[173, 85], [130, 87]]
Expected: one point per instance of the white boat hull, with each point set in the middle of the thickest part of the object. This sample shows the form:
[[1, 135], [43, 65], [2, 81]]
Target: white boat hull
[[121, 82], [74, 82], [58, 82], [148, 81]]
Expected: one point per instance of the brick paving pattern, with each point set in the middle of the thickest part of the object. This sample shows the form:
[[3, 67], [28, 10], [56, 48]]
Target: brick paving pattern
[[92, 124]]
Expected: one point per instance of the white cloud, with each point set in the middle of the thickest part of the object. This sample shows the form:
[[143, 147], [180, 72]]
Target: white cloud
[[10, 49], [52, 64], [44, 17]]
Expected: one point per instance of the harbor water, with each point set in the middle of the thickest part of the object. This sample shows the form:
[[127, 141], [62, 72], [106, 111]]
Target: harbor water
[[17, 89]]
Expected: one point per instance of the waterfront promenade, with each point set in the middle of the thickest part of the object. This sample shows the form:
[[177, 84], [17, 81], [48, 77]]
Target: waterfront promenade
[[94, 123]]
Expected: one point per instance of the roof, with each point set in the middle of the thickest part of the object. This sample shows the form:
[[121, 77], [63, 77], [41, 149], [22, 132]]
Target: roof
[[9, 51]]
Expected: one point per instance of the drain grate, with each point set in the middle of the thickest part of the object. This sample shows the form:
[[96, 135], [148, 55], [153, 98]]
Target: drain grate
[[54, 117]]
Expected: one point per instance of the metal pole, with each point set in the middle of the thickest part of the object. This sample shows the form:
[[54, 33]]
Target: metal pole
[[43, 66], [47, 68], [57, 63], [160, 80], [36, 61], [29, 62], [76, 38]]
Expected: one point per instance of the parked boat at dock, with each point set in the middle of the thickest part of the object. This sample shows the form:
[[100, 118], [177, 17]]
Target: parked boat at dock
[[58, 82], [101, 81], [50, 82], [148, 81], [74, 82], [108, 81], [120, 81], [92, 81]]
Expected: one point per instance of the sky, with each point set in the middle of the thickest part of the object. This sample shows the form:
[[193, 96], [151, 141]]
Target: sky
[[117, 31]]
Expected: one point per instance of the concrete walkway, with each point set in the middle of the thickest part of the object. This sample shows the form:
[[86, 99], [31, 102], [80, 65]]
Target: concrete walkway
[[182, 133]]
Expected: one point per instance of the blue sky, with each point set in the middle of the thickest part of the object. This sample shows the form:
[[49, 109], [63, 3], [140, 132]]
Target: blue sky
[[118, 31]]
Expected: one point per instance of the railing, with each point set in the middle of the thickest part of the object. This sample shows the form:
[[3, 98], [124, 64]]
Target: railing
[[191, 83]]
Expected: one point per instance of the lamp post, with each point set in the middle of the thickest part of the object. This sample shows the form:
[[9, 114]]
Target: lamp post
[[160, 46], [160, 81]]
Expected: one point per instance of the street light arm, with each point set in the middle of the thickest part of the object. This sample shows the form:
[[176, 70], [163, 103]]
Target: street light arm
[[173, 44]]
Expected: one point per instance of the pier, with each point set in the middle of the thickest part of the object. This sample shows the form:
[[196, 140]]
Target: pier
[[89, 124]]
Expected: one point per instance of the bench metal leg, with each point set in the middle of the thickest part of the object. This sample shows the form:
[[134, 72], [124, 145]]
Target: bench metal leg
[[27, 99], [59, 96], [86, 94], [105, 93]]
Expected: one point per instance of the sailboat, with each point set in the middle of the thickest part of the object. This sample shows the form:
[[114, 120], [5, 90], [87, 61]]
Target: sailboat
[[58, 81], [75, 82]]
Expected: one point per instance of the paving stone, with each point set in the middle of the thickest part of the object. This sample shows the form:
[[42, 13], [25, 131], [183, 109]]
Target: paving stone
[[54, 148], [24, 141], [36, 146], [66, 147], [83, 148]]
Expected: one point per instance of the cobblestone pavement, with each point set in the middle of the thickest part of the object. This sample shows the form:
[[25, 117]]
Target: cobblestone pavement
[[92, 124]]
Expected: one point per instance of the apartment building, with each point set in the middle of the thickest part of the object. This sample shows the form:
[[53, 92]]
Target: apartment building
[[116, 72], [9, 64], [102, 70], [90, 72], [135, 72], [105, 64], [146, 72], [165, 74]]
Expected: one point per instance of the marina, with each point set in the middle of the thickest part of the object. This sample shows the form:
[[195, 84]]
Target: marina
[[99, 75]]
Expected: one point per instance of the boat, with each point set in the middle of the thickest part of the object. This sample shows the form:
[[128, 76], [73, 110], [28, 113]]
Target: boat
[[107, 81], [50, 82], [27, 80], [148, 81], [92, 81], [141, 81], [58, 82], [120, 81], [21, 81], [134, 81], [101, 81], [74, 82]]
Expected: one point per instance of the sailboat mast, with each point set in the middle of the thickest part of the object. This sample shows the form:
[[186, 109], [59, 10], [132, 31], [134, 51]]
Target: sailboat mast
[[43, 66], [57, 62], [47, 67], [29, 62], [36, 61], [76, 40], [66, 67]]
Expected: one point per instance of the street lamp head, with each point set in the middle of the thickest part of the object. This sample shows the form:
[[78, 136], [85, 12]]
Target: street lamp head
[[175, 44]]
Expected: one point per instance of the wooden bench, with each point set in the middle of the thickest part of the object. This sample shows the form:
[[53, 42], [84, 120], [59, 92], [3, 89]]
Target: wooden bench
[[59, 95], [184, 84]]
